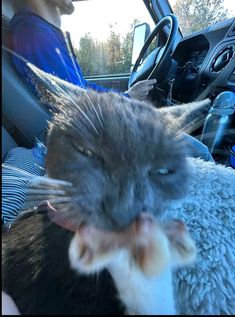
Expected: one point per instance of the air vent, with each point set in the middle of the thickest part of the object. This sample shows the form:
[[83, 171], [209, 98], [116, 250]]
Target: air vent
[[222, 59]]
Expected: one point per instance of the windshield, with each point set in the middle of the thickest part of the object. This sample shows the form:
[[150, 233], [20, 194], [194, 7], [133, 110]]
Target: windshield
[[102, 34], [195, 15]]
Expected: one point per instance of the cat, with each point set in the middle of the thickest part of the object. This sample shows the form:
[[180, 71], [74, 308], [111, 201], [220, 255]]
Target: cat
[[111, 163]]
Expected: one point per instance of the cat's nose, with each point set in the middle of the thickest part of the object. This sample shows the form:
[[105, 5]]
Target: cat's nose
[[146, 216]]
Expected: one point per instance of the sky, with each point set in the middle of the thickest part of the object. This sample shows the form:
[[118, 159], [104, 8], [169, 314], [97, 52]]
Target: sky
[[89, 16], [88, 11]]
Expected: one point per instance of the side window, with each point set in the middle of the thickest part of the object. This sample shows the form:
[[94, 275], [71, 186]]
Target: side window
[[102, 34]]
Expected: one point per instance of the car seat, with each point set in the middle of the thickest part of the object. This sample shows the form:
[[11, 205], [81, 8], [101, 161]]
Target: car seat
[[24, 117], [7, 142]]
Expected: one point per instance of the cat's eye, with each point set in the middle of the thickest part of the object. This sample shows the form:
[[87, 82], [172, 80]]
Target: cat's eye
[[162, 172], [84, 151]]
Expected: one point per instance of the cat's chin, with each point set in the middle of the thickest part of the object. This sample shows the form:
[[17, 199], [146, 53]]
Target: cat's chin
[[91, 250], [146, 244]]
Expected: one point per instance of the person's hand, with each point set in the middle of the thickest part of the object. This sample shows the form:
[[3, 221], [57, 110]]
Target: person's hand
[[8, 305], [141, 89]]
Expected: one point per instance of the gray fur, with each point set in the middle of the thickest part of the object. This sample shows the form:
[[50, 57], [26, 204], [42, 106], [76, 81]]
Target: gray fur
[[130, 141], [111, 151]]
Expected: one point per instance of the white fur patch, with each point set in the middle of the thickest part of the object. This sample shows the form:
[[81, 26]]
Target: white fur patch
[[82, 264]]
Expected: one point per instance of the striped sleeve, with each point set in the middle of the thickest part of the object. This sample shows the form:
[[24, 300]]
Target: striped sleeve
[[19, 168]]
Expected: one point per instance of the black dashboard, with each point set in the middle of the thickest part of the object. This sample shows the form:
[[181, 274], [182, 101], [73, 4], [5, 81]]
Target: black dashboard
[[203, 66], [204, 63]]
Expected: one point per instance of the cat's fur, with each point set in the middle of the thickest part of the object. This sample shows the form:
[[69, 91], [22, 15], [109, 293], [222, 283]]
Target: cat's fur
[[139, 260], [41, 275], [120, 158]]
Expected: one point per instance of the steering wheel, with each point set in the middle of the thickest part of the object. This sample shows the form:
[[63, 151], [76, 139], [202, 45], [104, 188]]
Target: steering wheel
[[153, 64]]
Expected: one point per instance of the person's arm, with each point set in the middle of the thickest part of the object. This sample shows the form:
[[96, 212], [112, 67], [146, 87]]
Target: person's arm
[[45, 48]]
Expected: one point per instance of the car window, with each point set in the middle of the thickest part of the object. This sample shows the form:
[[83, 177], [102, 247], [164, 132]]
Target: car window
[[195, 15], [101, 33]]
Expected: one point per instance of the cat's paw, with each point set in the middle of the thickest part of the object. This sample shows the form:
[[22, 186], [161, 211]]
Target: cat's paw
[[150, 246], [156, 245], [182, 246], [91, 250]]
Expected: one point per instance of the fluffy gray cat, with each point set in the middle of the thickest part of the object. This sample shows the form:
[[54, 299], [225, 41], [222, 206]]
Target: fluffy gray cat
[[113, 167]]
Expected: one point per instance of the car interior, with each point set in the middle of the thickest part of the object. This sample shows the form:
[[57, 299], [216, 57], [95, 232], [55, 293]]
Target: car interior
[[202, 65], [23, 115]]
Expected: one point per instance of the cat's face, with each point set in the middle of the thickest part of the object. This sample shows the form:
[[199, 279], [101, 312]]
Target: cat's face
[[122, 157], [130, 162]]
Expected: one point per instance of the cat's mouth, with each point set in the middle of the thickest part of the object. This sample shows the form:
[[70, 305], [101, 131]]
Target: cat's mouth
[[58, 217], [148, 244], [144, 220]]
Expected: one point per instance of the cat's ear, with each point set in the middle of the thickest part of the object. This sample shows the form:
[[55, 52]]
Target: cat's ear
[[52, 91], [189, 116]]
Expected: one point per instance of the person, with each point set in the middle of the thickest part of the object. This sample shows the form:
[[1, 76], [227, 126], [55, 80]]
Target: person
[[38, 38]]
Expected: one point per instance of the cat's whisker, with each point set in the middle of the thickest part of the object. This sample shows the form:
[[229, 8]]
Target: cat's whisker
[[33, 198], [48, 193], [52, 182], [45, 196], [28, 209], [194, 124], [101, 114], [41, 191], [80, 79], [59, 200], [39, 141], [83, 113], [40, 167], [34, 204], [65, 94], [94, 109]]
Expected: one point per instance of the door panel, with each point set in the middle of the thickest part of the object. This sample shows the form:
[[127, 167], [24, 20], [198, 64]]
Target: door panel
[[115, 82]]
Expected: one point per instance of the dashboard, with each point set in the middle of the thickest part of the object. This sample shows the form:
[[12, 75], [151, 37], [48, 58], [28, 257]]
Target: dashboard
[[203, 66], [204, 63]]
